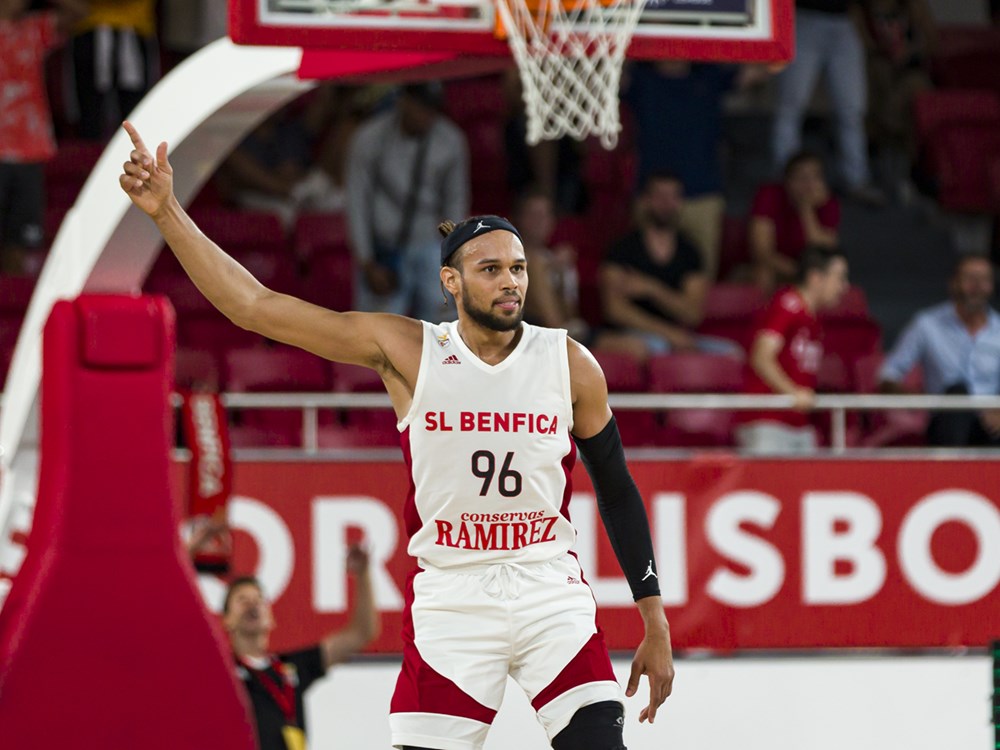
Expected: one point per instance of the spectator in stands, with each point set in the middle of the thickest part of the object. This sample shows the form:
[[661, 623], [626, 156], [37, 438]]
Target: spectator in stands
[[262, 172], [957, 346], [555, 284], [406, 168], [266, 171], [653, 283], [900, 36], [115, 62], [276, 682], [788, 217], [827, 40], [26, 137], [678, 118], [786, 354]]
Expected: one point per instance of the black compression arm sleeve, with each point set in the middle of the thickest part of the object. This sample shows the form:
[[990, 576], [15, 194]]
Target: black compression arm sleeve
[[621, 507]]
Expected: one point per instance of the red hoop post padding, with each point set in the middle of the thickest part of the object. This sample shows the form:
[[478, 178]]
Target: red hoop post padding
[[104, 639]]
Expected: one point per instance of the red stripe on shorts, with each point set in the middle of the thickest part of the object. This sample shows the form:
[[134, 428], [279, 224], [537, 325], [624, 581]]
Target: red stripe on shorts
[[421, 689], [591, 664]]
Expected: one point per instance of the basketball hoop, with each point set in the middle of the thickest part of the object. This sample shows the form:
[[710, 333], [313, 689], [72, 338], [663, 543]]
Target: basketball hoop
[[570, 55]]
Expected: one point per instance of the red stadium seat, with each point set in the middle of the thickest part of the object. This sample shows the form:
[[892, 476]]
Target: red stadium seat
[[693, 372], [15, 293], [623, 372], [933, 109], [355, 379], [212, 330], [330, 282], [853, 306], [320, 234], [237, 230], [729, 301], [626, 374], [105, 555], [851, 338], [197, 369], [890, 428], [476, 98], [285, 368], [834, 376], [734, 248], [281, 369], [960, 158], [180, 290]]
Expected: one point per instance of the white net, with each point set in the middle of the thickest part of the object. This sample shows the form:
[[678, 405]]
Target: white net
[[570, 56]]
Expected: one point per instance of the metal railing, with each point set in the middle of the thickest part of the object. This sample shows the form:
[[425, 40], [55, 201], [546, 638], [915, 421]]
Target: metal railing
[[837, 405]]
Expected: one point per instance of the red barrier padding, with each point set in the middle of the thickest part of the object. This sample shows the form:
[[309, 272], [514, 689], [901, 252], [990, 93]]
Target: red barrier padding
[[120, 336], [104, 640]]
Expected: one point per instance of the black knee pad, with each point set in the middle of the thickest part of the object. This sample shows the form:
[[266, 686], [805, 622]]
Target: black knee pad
[[595, 727]]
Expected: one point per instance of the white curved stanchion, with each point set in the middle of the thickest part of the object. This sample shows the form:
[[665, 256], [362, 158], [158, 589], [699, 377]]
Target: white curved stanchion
[[203, 108]]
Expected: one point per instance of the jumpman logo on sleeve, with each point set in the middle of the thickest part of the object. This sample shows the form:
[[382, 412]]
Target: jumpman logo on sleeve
[[649, 572]]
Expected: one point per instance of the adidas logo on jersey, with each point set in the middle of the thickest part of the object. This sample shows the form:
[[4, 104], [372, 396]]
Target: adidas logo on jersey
[[571, 579], [452, 360]]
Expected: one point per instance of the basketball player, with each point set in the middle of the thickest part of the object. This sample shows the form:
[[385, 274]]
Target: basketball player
[[488, 411]]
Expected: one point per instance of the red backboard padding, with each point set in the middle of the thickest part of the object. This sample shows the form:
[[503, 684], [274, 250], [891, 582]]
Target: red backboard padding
[[104, 640]]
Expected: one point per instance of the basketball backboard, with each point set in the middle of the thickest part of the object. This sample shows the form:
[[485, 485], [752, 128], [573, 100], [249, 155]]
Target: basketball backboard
[[734, 30]]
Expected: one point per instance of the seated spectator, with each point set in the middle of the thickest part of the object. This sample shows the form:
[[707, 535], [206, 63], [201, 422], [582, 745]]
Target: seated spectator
[[957, 346], [262, 172], [786, 354], [552, 272], [26, 138], [653, 285], [679, 127], [900, 36], [788, 217]]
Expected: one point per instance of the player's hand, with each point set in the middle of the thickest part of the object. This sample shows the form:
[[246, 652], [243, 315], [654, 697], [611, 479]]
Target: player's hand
[[148, 180], [357, 560], [803, 399], [654, 659]]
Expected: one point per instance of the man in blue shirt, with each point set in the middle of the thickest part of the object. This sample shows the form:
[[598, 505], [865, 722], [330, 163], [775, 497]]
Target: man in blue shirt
[[957, 346]]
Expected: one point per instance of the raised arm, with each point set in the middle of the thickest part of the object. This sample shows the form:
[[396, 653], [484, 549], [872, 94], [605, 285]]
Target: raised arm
[[387, 343], [624, 517], [363, 625]]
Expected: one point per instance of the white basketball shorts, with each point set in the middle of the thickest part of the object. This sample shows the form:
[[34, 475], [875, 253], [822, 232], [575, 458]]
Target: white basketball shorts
[[465, 630]]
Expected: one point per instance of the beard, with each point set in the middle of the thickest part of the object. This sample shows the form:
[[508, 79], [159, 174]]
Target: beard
[[493, 321]]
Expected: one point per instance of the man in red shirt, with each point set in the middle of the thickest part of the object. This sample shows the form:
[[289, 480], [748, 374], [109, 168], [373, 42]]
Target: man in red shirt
[[787, 217], [786, 354], [26, 139]]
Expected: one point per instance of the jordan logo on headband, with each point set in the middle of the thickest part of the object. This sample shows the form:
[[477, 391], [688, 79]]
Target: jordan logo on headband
[[480, 225]]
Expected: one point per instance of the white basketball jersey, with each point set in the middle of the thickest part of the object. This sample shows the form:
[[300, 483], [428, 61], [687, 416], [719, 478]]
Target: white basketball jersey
[[489, 451]]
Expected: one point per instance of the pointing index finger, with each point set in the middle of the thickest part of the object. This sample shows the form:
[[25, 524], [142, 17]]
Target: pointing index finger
[[134, 135]]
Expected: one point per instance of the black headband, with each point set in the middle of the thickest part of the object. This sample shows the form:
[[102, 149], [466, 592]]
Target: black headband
[[475, 227]]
